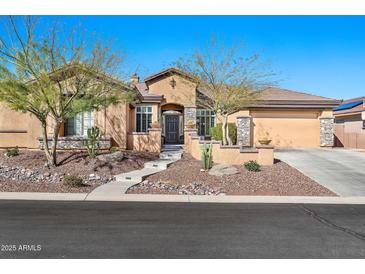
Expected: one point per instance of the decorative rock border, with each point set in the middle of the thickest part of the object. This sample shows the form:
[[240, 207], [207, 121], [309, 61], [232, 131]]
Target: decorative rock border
[[75, 142]]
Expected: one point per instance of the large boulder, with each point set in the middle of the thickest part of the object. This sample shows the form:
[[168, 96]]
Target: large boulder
[[111, 157], [223, 169]]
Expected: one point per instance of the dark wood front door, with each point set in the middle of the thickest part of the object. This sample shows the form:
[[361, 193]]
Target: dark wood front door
[[172, 129]]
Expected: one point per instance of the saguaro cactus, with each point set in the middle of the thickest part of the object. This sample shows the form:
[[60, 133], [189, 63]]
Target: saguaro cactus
[[92, 142], [206, 155]]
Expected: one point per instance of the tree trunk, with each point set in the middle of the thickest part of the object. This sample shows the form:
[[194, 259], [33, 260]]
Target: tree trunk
[[56, 132], [45, 143], [224, 130], [229, 140]]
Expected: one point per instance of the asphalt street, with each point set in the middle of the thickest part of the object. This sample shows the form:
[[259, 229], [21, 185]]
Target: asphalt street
[[45, 229]]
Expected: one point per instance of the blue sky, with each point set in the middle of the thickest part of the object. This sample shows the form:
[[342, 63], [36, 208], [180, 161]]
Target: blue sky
[[324, 55]]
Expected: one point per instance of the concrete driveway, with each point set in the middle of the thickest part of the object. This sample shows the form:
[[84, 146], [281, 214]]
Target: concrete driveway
[[340, 170]]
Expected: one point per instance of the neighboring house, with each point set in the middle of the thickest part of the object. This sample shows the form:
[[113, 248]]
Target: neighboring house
[[350, 123], [292, 119]]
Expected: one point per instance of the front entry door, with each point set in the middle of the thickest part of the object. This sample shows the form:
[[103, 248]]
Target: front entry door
[[172, 129]]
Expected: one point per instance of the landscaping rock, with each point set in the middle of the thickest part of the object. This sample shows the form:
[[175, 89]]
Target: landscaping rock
[[93, 177], [110, 157], [223, 169], [195, 188]]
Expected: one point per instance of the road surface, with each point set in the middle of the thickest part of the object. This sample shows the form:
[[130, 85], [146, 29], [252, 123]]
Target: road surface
[[49, 229]]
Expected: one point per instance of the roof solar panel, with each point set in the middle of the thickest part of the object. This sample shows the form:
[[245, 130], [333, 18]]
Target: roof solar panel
[[349, 105]]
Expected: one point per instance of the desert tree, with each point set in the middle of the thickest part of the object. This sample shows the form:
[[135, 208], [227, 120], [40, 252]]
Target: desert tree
[[228, 79], [55, 72]]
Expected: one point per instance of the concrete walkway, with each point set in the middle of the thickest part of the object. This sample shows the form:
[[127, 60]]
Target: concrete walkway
[[123, 181], [342, 171]]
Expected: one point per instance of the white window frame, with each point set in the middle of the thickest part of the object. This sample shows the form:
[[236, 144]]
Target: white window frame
[[211, 117], [145, 113], [83, 127]]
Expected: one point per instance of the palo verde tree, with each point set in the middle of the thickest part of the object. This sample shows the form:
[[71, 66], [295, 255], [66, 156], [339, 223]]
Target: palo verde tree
[[55, 74], [227, 80]]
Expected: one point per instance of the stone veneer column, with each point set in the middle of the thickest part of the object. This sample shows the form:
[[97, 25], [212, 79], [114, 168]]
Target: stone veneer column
[[189, 114], [244, 125], [326, 131]]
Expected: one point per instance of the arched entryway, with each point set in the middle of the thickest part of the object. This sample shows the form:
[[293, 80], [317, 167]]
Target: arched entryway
[[172, 123]]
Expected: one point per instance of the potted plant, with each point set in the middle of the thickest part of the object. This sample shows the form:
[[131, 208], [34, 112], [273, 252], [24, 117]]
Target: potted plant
[[155, 124], [190, 124], [265, 139]]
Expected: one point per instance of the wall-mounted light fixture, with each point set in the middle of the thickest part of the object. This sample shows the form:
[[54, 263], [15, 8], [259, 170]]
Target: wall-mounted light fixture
[[173, 83]]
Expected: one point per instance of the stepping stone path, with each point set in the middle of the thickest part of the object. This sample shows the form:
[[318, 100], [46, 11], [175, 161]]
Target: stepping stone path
[[222, 169], [123, 181]]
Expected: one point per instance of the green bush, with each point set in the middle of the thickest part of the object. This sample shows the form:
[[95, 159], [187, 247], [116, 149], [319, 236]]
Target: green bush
[[72, 181], [10, 152], [252, 166], [217, 133], [114, 149]]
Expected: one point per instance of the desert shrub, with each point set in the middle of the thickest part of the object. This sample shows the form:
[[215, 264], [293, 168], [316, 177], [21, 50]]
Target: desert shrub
[[114, 149], [206, 156], [72, 180], [252, 166], [217, 133], [11, 152]]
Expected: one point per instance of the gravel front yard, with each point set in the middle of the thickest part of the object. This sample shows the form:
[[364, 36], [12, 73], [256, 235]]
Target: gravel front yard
[[185, 177], [27, 171]]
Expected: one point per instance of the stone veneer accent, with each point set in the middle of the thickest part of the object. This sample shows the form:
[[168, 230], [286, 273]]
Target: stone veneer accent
[[189, 114], [75, 142], [326, 131], [244, 125]]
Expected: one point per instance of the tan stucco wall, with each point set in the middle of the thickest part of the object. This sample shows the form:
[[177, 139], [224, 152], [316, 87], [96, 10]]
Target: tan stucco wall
[[229, 155], [150, 141], [184, 92], [113, 123], [14, 120]]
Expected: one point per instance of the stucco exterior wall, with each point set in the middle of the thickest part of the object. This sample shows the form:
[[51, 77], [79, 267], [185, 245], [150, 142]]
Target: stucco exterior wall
[[145, 141], [18, 129], [232, 155], [184, 92], [114, 122]]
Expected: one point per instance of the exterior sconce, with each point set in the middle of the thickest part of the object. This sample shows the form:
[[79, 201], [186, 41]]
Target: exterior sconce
[[173, 83]]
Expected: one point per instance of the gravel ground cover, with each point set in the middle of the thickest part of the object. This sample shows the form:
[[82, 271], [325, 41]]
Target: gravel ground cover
[[27, 172], [185, 177]]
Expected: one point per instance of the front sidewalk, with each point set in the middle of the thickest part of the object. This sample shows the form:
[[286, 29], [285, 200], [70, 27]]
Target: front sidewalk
[[181, 198]]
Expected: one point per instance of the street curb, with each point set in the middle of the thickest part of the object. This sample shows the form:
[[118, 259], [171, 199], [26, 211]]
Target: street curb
[[42, 196], [181, 198]]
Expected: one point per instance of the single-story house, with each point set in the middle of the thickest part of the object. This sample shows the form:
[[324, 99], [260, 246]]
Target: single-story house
[[350, 123], [291, 118]]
